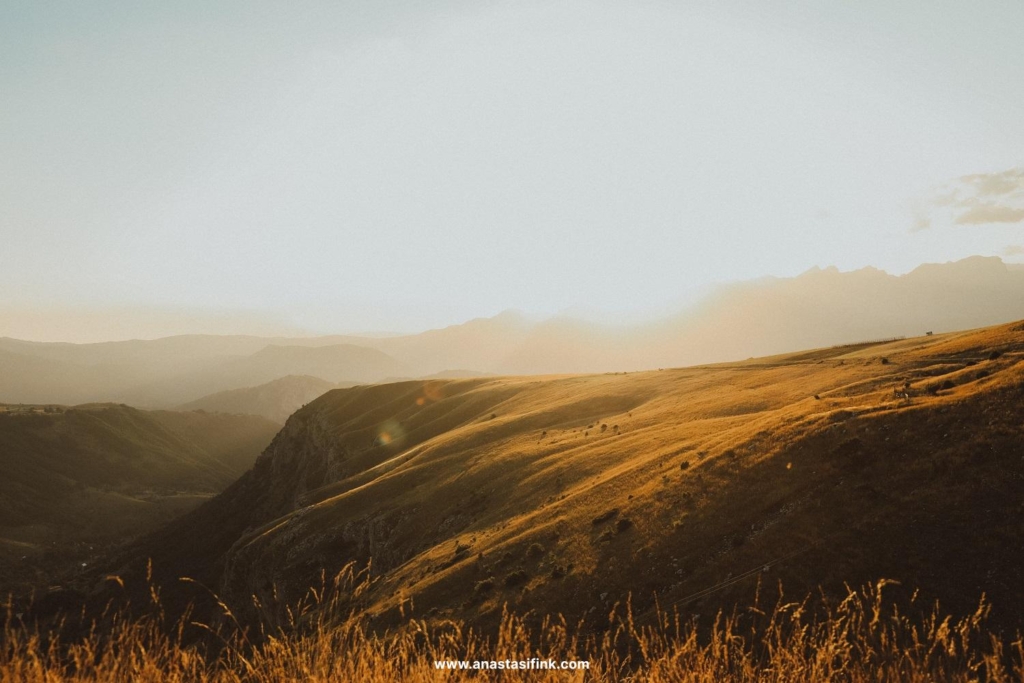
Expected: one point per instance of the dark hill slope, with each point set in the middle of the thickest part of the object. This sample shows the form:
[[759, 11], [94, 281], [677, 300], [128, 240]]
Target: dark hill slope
[[96, 473]]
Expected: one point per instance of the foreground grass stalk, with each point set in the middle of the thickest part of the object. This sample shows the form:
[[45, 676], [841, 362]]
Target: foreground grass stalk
[[861, 638]]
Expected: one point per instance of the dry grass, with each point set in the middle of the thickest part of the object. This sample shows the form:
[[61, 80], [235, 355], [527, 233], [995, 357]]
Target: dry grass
[[864, 637]]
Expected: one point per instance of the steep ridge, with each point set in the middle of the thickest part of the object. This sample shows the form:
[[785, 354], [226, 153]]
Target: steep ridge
[[898, 460]]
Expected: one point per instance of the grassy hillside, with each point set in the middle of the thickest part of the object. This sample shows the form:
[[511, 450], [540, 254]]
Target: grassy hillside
[[92, 474], [565, 495], [275, 400]]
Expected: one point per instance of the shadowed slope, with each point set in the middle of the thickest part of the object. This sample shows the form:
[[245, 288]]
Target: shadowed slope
[[74, 477]]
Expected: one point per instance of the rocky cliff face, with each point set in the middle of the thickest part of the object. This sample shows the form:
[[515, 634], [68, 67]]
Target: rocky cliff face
[[344, 440]]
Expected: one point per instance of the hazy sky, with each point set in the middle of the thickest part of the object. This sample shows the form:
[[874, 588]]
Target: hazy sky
[[344, 166]]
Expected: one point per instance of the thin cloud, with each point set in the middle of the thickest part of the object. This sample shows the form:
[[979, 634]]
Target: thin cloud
[[990, 213], [1013, 250], [977, 199], [1006, 183]]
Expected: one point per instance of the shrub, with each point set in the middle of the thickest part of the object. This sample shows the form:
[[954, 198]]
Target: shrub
[[605, 516], [516, 578]]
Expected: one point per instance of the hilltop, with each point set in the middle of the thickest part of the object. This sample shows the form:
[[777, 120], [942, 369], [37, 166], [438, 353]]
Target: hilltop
[[848, 464]]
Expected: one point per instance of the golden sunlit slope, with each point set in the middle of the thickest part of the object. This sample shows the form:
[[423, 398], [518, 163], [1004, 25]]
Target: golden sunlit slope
[[900, 460]]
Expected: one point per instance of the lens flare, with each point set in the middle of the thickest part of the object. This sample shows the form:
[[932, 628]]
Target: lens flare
[[389, 432], [432, 391]]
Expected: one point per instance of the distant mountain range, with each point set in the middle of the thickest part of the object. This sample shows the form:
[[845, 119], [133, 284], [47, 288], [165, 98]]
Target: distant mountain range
[[821, 307]]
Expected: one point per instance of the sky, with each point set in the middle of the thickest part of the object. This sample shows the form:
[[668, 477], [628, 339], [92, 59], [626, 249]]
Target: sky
[[327, 167]]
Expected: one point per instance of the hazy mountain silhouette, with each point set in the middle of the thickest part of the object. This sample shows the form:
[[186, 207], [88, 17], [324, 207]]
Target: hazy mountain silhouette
[[825, 306], [275, 400], [171, 371], [821, 307], [476, 345], [772, 315], [334, 363]]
